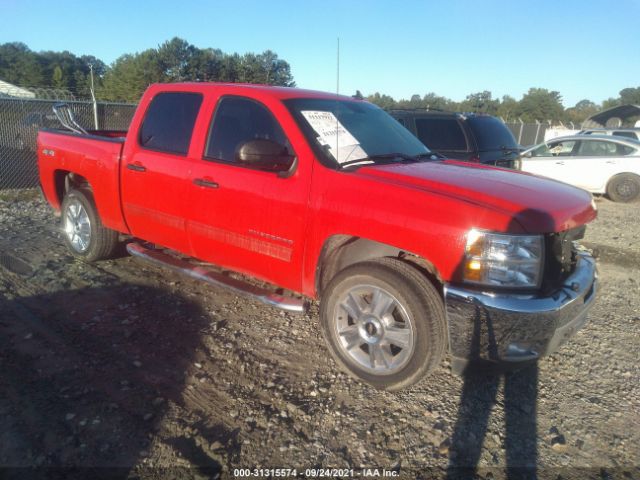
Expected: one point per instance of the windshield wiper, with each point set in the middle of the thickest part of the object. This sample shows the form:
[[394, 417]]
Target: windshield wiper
[[395, 157], [432, 155]]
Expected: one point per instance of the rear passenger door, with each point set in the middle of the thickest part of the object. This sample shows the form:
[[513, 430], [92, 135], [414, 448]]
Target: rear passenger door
[[594, 163], [155, 170]]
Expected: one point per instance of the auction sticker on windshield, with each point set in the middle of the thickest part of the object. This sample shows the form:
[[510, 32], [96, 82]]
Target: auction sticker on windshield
[[341, 144]]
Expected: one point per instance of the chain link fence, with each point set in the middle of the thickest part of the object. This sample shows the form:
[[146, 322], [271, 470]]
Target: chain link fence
[[529, 134], [20, 120]]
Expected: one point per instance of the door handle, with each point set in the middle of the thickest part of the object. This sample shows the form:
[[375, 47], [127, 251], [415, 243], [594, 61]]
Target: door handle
[[560, 163], [613, 162], [201, 182], [136, 167]]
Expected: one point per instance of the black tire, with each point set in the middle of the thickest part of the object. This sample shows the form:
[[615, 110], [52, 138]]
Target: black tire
[[414, 297], [98, 241], [624, 187]]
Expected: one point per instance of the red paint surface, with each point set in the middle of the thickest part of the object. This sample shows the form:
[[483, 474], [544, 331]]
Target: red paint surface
[[274, 228]]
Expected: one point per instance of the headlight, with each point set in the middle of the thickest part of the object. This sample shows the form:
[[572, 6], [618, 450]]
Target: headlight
[[496, 259]]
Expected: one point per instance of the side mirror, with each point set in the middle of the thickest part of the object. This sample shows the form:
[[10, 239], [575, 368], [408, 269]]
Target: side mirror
[[265, 155]]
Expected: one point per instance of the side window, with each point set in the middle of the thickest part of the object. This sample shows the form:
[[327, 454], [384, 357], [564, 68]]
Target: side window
[[168, 123], [554, 149], [441, 133], [237, 120], [596, 148], [541, 151], [624, 150], [559, 149]]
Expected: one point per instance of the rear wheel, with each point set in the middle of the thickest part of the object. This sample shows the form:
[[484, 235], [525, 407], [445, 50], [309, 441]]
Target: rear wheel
[[624, 188], [384, 323], [82, 228]]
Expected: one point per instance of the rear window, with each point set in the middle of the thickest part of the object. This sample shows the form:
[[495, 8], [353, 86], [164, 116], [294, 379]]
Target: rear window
[[441, 133], [491, 134], [168, 123], [626, 134]]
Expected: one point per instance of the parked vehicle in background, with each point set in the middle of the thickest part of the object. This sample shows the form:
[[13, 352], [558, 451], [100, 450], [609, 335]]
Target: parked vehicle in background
[[632, 133], [598, 163], [329, 197], [464, 136]]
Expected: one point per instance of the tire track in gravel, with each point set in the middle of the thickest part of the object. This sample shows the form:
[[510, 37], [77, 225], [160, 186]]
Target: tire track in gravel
[[244, 385]]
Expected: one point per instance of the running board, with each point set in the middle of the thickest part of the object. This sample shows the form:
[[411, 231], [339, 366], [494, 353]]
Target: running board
[[159, 257]]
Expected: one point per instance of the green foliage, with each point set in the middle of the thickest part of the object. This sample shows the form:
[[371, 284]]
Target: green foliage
[[383, 101], [174, 61], [177, 60], [582, 110], [540, 104], [507, 108], [630, 96], [481, 102], [537, 104]]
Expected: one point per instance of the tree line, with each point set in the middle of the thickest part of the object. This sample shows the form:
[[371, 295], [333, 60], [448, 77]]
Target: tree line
[[537, 104], [126, 79], [177, 60]]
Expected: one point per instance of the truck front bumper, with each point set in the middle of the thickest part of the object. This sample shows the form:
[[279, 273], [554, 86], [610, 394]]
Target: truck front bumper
[[511, 327]]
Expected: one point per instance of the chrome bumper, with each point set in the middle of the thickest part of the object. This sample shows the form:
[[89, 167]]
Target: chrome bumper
[[510, 327]]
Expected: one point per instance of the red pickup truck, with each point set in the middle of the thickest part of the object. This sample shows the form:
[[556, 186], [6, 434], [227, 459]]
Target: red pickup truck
[[314, 195]]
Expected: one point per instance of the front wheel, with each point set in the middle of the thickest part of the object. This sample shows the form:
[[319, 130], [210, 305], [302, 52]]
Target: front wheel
[[82, 228], [624, 187], [384, 323]]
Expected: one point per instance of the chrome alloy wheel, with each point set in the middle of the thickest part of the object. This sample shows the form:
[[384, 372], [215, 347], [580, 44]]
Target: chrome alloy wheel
[[374, 330], [77, 226]]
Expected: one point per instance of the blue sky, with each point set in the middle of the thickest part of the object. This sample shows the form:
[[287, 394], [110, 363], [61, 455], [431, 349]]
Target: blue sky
[[581, 48]]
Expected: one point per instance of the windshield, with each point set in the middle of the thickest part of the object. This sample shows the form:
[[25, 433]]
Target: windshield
[[346, 132], [491, 133]]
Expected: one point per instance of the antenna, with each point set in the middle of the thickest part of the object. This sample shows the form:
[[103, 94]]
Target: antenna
[[337, 93], [338, 68]]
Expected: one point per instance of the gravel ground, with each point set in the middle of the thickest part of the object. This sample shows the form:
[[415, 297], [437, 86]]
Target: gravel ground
[[126, 370]]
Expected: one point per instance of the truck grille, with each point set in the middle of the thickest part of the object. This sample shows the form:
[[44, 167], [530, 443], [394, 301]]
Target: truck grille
[[560, 256]]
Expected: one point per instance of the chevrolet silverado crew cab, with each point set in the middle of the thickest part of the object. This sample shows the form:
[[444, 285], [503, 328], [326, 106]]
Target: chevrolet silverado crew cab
[[313, 195]]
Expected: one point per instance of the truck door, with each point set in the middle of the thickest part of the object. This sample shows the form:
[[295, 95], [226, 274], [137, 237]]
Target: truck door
[[155, 170], [240, 215]]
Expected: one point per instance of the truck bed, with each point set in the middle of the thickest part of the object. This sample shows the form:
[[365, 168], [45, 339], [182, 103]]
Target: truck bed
[[95, 156]]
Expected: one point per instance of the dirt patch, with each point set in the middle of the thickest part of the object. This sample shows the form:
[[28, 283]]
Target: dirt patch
[[134, 371]]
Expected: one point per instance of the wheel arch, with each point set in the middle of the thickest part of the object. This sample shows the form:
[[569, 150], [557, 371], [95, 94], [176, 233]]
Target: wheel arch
[[341, 251], [65, 180], [612, 177]]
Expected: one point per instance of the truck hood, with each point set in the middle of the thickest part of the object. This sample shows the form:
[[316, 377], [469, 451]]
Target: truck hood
[[538, 204]]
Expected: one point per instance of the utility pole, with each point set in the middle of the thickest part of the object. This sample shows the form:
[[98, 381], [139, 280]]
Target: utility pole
[[93, 97]]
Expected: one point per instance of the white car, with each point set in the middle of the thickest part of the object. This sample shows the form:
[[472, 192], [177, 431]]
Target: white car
[[597, 163]]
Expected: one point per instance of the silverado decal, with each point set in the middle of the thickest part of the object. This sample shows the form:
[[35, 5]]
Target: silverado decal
[[172, 221], [243, 241]]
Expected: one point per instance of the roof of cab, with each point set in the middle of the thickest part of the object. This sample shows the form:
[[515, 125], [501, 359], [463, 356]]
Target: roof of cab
[[256, 89]]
